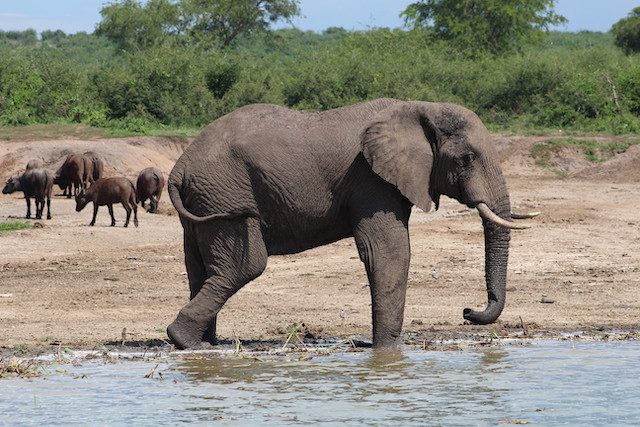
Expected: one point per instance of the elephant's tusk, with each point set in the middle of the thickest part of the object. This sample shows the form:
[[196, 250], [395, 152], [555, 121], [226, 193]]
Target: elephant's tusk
[[527, 215], [489, 215]]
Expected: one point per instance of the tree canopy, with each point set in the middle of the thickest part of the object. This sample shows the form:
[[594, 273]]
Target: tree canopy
[[132, 25], [486, 25], [627, 32]]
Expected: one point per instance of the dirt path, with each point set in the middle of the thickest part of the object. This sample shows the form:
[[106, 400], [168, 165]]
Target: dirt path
[[80, 286]]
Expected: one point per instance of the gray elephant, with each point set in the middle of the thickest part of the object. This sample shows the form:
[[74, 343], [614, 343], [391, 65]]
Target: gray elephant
[[265, 180]]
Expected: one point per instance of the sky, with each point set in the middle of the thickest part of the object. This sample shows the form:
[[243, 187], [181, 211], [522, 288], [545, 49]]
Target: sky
[[72, 16]]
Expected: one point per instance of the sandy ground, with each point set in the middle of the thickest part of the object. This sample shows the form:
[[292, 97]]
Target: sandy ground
[[77, 286]]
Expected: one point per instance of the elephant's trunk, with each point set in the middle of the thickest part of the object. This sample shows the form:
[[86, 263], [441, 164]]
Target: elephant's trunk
[[496, 241]]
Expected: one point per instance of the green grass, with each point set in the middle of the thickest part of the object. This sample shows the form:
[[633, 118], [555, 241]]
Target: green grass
[[13, 225], [161, 131], [42, 132], [593, 151]]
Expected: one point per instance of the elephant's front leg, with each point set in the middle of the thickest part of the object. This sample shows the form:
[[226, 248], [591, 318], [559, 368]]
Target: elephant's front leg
[[383, 243]]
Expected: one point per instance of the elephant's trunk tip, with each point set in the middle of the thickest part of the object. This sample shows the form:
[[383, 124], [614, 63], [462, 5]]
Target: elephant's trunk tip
[[489, 315]]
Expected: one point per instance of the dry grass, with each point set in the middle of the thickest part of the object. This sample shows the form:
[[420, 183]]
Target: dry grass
[[21, 368]]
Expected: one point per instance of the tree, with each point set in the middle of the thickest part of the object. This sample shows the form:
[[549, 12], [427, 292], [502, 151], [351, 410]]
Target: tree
[[487, 25], [133, 25], [225, 20], [627, 32]]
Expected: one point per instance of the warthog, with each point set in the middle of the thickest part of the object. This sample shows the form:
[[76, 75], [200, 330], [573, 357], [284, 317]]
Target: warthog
[[36, 183], [107, 191]]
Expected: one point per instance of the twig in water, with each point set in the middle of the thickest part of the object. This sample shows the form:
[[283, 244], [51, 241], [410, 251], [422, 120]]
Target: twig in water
[[523, 326], [238, 343], [151, 372], [294, 331]]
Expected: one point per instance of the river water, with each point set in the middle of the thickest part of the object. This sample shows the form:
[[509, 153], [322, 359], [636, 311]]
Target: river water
[[543, 382]]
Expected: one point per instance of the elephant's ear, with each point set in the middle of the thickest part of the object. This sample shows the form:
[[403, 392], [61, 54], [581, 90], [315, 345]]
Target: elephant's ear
[[400, 145]]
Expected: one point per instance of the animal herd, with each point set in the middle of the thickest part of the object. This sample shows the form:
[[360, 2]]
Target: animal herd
[[83, 176]]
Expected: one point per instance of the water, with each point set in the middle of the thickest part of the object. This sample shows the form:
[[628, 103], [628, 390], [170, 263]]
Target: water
[[541, 382]]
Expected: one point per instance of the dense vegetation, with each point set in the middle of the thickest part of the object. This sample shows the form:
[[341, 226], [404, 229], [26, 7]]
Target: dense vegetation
[[579, 82], [627, 32], [488, 25]]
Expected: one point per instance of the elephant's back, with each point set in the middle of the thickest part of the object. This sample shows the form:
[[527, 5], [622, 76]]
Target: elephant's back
[[291, 158]]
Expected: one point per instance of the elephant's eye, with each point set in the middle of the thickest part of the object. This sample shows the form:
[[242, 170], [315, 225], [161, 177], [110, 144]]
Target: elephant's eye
[[468, 158]]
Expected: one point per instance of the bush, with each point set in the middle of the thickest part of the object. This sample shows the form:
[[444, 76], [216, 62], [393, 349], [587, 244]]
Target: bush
[[627, 32], [575, 81]]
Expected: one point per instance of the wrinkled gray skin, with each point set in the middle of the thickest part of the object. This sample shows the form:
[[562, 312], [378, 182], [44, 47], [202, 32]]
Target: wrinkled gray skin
[[149, 186], [265, 180], [36, 183], [108, 191]]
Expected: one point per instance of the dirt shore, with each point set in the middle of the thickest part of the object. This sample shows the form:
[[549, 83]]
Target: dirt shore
[[577, 269]]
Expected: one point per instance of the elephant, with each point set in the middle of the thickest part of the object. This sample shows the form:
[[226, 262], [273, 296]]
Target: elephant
[[149, 185], [266, 180]]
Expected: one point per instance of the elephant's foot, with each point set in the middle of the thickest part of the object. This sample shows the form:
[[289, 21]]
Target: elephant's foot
[[210, 336], [391, 345], [185, 334]]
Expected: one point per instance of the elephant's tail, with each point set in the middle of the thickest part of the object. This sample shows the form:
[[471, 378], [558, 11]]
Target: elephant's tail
[[176, 199]]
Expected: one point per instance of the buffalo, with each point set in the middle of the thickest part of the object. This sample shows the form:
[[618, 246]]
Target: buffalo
[[98, 164], [76, 172], [36, 183], [35, 164], [149, 186], [107, 191]]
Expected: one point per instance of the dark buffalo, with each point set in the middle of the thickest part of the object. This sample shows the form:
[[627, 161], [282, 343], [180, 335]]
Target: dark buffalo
[[36, 183], [107, 191], [76, 172], [98, 164], [35, 164], [149, 186]]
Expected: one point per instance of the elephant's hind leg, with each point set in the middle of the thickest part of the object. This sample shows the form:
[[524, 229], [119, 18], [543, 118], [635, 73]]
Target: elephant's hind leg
[[233, 253], [382, 239], [196, 273]]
